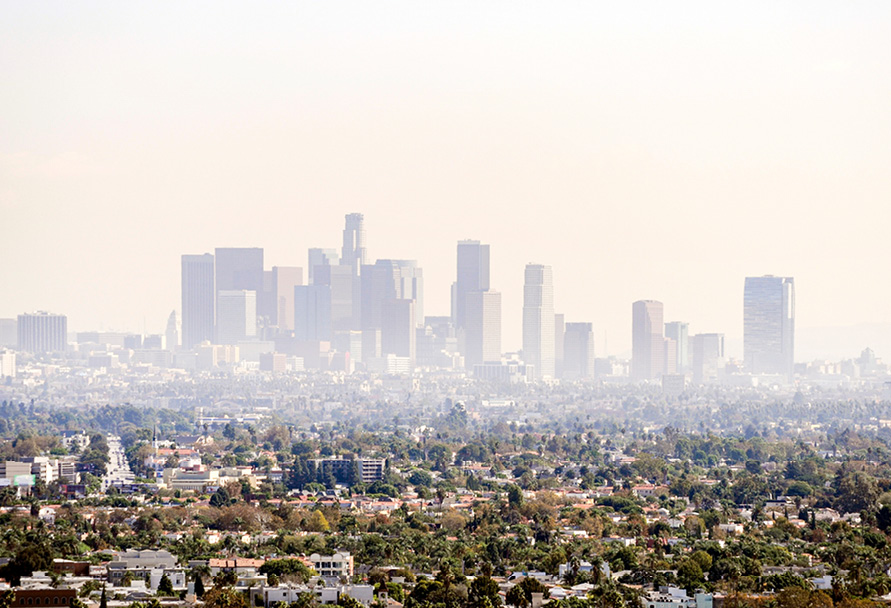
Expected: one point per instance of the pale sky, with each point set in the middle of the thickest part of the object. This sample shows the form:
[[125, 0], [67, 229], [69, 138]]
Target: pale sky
[[646, 150]]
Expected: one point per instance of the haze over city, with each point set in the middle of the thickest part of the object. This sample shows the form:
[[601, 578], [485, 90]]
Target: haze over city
[[643, 153]]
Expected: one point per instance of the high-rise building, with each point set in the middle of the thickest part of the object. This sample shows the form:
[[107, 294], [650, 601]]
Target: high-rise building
[[7, 364], [679, 332], [398, 328], [345, 301], [241, 269], [389, 280], [538, 320], [353, 253], [236, 316], [320, 257], [578, 347], [312, 312], [42, 332], [473, 275], [559, 343], [9, 334], [198, 299], [380, 282], [708, 358], [411, 286], [482, 328], [284, 280], [769, 325], [647, 343], [171, 333]]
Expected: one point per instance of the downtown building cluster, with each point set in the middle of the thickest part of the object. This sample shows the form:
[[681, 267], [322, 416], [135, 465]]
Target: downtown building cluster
[[344, 312]]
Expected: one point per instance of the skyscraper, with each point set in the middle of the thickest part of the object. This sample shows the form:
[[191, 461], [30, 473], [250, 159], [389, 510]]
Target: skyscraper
[[473, 275], [198, 297], [769, 325], [679, 332], [320, 257], [312, 312], [647, 343], [42, 332], [578, 346], [538, 320], [239, 269], [345, 301], [171, 332], [708, 358], [398, 328], [482, 328], [236, 316], [353, 252], [559, 344], [284, 280]]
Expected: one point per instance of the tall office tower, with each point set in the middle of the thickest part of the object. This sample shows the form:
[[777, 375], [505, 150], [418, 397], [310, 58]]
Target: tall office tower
[[320, 257], [647, 343], [171, 333], [769, 325], [538, 320], [473, 275], [679, 332], [708, 358], [559, 343], [312, 312], [236, 316], [669, 356], [42, 332], [9, 334], [284, 280], [398, 328], [198, 299], [578, 346], [411, 286], [380, 282], [353, 253], [482, 331], [344, 295], [240, 269]]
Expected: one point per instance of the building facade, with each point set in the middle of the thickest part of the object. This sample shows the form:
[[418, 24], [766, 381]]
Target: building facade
[[42, 332], [539, 349], [769, 325], [647, 342]]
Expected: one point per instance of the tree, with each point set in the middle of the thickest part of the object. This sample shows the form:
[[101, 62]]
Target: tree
[[165, 586], [294, 569], [199, 585], [220, 498], [103, 601], [520, 595], [317, 522], [856, 491], [7, 597], [346, 601], [224, 597], [483, 593]]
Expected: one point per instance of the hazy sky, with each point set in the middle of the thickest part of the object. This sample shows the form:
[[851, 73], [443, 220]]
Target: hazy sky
[[645, 150]]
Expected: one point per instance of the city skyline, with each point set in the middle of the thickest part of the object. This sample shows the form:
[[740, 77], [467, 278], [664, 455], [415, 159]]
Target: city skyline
[[641, 154], [249, 269]]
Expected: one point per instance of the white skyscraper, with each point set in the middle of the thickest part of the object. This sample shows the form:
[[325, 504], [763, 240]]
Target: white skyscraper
[[236, 316], [538, 320], [482, 322]]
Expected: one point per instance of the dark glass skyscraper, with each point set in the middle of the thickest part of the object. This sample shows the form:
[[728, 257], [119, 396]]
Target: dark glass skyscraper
[[769, 325]]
